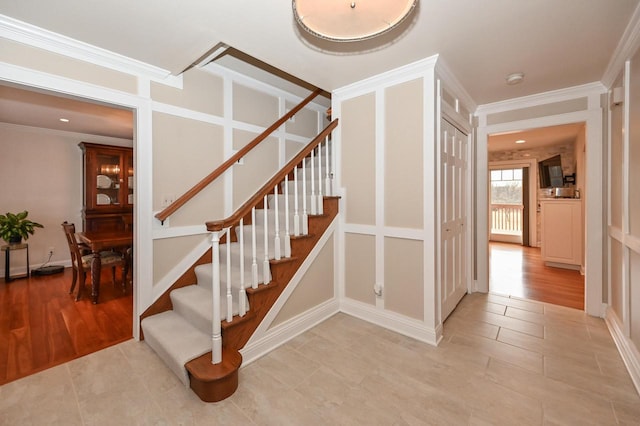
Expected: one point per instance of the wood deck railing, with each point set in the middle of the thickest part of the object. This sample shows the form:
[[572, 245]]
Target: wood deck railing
[[506, 219], [184, 198]]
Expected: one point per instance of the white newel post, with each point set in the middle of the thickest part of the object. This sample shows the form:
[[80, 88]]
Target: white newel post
[[216, 335]]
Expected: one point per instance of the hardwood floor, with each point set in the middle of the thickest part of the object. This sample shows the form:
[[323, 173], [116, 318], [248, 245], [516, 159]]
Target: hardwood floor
[[41, 324], [519, 271]]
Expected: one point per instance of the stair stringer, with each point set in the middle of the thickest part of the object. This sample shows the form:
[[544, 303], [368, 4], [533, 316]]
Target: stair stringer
[[264, 339]]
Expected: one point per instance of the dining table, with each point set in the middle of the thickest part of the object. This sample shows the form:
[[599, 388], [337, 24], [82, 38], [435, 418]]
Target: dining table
[[100, 241]]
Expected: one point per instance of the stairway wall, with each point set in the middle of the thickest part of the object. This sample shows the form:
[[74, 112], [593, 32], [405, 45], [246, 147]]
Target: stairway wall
[[388, 177], [193, 134]]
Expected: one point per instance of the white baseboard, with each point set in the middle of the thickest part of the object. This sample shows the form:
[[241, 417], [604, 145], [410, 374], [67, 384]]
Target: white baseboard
[[392, 321], [289, 329], [626, 347]]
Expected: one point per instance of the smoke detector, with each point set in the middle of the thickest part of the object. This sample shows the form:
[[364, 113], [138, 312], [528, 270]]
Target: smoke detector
[[515, 78]]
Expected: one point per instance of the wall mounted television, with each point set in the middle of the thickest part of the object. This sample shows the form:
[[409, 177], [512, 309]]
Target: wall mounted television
[[550, 172]]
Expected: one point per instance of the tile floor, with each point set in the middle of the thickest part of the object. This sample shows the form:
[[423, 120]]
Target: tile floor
[[503, 361]]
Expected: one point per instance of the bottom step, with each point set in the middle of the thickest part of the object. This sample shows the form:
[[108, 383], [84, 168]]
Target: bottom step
[[215, 382]]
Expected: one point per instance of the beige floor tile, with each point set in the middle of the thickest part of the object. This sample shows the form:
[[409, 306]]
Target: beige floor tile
[[508, 322], [516, 303], [563, 349], [524, 315], [489, 370], [288, 365], [494, 349], [589, 379], [459, 326], [627, 413]]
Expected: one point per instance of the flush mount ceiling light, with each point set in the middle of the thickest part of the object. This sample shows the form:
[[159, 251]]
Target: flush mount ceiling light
[[520, 141], [515, 78], [340, 20]]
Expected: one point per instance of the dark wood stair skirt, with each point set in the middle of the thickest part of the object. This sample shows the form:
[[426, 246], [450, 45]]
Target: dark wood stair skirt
[[214, 382]]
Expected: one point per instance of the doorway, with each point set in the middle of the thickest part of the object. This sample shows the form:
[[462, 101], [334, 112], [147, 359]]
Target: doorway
[[516, 266], [509, 205], [84, 328]]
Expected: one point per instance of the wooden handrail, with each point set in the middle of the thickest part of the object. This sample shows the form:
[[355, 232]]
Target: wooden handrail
[[184, 198], [242, 211]]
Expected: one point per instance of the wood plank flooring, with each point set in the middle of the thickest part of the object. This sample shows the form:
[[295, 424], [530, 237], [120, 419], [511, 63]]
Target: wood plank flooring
[[519, 271], [41, 324]]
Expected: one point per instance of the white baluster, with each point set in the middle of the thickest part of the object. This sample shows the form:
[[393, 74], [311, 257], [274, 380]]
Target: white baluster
[[305, 217], [329, 174], [242, 297], [320, 198], [265, 263], [229, 296], [296, 216], [287, 236], [314, 210], [254, 249], [276, 239], [216, 333]]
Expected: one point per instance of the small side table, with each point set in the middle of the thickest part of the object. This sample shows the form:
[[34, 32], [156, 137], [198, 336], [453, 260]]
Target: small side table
[[7, 249]]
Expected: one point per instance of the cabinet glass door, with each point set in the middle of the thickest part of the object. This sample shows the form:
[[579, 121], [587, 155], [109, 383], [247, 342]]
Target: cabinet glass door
[[108, 180]]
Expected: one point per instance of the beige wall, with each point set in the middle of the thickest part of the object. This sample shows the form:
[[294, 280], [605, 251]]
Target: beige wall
[[403, 277], [315, 287], [253, 106], [257, 168], [359, 158], [184, 151], [382, 146], [201, 91], [403, 157], [359, 264]]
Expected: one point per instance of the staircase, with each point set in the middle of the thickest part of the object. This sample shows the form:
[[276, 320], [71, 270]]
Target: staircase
[[253, 260]]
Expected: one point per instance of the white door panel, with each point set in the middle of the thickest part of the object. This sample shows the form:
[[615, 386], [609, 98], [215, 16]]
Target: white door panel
[[453, 217]]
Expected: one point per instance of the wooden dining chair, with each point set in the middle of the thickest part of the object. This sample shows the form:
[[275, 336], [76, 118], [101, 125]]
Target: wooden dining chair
[[81, 262]]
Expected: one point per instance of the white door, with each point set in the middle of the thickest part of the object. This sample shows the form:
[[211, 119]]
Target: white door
[[454, 236]]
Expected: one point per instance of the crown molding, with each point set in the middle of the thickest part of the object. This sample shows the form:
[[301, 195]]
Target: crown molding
[[627, 46], [30, 35], [388, 78], [582, 91], [454, 86]]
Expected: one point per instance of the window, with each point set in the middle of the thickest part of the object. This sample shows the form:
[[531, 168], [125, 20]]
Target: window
[[506, 186]]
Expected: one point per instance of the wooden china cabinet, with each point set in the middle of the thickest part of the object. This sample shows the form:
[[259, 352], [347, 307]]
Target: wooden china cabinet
[[108, 187]]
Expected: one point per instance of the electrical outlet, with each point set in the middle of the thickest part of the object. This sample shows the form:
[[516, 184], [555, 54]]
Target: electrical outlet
[[167, 199], [51, 251]]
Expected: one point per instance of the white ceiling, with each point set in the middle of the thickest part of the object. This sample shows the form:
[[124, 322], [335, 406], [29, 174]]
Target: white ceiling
[[535, 138], [557, 44]]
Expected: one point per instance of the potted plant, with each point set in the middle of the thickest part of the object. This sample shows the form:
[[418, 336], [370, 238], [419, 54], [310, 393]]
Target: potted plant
[[16, 227]]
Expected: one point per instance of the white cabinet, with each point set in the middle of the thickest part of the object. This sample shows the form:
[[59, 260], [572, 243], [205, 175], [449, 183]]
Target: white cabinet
[[562, 233]]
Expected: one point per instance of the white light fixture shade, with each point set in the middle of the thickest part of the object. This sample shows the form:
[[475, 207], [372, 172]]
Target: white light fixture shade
[[342, 20]]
